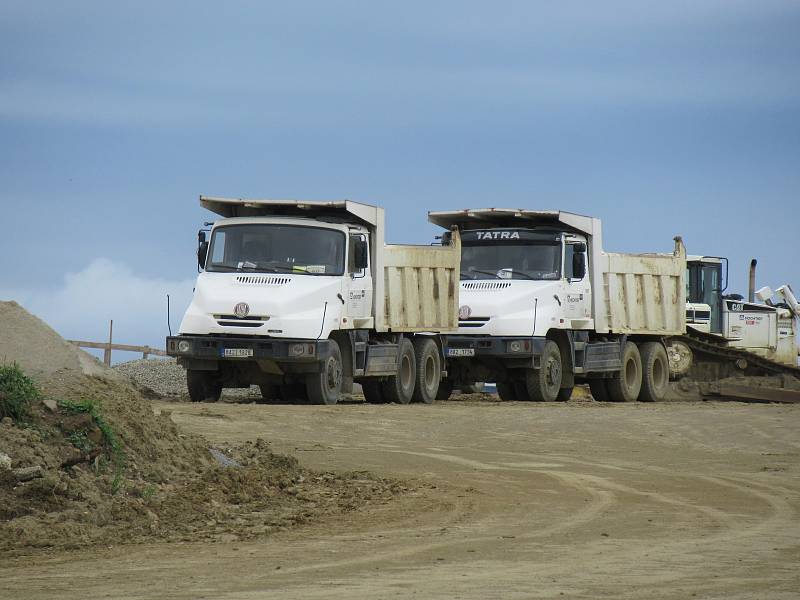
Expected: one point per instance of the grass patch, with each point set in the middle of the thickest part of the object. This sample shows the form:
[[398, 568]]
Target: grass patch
[[110, 438], [17, 391]]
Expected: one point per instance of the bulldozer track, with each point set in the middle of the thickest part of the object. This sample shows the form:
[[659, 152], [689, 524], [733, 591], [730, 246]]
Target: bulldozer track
[[709, 344]]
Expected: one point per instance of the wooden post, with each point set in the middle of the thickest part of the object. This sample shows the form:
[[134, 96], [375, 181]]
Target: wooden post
[[107, 352]]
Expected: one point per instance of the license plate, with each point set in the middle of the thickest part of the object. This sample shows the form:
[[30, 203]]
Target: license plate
[[237, 352], [461, 352]]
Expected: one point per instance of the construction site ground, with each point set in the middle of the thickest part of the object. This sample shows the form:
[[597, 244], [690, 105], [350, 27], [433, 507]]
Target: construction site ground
[[503, 500]]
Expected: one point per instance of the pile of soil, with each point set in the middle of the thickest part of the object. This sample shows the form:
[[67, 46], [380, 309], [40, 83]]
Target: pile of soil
[[110, 471]]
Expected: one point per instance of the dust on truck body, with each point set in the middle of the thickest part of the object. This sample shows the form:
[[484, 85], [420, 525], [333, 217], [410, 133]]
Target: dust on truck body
[[543, 306], [302, 298]]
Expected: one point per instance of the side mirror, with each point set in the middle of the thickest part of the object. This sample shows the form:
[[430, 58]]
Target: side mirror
[[360, 254], [202, 249], [579, 262], [580, 247]]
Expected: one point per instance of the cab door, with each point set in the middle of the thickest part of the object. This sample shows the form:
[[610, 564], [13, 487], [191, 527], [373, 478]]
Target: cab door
[[578, 292], [358, 292]]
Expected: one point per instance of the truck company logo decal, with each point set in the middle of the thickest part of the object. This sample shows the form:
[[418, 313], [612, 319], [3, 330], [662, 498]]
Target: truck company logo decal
[[241, 310], [497, 235]]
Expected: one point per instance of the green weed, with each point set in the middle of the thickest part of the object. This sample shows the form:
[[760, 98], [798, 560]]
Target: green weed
[[17, 391]]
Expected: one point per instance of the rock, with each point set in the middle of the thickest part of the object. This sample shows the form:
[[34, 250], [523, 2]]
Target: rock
[[28, 473], [50, 405], [5, 461], [7, 421]]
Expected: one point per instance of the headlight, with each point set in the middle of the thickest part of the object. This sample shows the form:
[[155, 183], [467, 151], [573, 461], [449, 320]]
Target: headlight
[[301, 350], [184, 346]]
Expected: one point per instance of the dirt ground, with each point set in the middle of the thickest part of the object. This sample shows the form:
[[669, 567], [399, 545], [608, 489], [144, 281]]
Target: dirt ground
[[511, 500]]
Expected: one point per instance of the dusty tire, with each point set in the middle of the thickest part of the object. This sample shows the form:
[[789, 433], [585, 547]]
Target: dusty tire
[[203, 386], [429, 370], [507, 391], [564, 394], [543, 384], [655, 372], [521, 391], [625, 385], [445, 389], [400, 388], [599, 389], [373, 391], [325, 387]]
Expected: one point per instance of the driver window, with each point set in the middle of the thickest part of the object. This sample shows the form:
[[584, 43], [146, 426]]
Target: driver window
[[351, 256], [569, 252]]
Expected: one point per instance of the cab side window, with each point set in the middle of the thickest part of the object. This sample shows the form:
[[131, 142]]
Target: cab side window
[[569, 257]]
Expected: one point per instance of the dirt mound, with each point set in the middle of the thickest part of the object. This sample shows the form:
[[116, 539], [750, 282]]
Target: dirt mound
[[38, 349], [91, 463]]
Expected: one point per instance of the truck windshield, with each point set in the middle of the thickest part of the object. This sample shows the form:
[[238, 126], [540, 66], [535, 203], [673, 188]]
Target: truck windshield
[[276, 249], [511, 261]]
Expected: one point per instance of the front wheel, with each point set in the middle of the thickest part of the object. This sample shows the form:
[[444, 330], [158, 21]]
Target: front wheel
[[543, 384], [204, 386], [325, 387]]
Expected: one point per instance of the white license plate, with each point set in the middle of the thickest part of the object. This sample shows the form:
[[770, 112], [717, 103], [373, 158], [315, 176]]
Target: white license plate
[[461, 352], [237, 352]]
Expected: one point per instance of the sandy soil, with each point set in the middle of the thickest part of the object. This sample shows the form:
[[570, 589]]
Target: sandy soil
[[576, 500]]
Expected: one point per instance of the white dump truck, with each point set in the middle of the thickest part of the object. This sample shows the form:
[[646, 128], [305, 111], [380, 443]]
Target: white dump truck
[[302, 298], [543, 306]]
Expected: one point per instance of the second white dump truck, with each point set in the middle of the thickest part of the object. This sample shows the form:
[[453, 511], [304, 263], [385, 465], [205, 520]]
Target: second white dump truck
[[543, 306], [302, 298]]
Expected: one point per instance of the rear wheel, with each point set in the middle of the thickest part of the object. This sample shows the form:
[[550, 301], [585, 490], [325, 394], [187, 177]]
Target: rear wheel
[[325, 387], [429, 370], [204, 386], [599, 389], [544, 383], [655, 372], [373, 394], [625, 385], [400, 388]]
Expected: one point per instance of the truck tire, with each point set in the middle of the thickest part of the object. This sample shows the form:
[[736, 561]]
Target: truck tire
[[625, 385], [203, 386], [599, 389], [325, 387], [400, 388], [373, 392], [655, 372], [445, 389], [544, 383], [269, 393], [429, 370]]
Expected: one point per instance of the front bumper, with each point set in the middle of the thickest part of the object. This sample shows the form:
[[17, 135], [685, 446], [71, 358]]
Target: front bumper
[[468, 346], [255, 348]]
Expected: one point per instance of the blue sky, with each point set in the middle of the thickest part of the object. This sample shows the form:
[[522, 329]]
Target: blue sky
[[660, 118]]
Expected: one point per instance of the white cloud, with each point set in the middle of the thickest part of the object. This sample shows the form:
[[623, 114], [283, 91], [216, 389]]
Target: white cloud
[[85, 302]]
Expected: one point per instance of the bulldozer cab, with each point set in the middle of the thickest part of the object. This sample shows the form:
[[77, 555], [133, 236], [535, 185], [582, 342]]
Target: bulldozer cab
[[705, 284]]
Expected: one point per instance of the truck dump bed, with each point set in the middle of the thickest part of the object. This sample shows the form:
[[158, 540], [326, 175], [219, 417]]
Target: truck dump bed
[[645, 293], [421, 287]]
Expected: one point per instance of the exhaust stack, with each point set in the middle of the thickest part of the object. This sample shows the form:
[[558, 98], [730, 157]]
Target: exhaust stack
[[751, 290]]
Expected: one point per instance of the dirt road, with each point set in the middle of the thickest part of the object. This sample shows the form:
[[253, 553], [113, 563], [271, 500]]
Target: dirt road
[[577, 500]]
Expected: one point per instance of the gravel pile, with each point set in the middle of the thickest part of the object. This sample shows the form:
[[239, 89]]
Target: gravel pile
[[167, 378]]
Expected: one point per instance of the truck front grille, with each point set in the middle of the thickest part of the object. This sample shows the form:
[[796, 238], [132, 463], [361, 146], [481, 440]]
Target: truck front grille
[[485, 285], [262, 280], [473, 322]]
